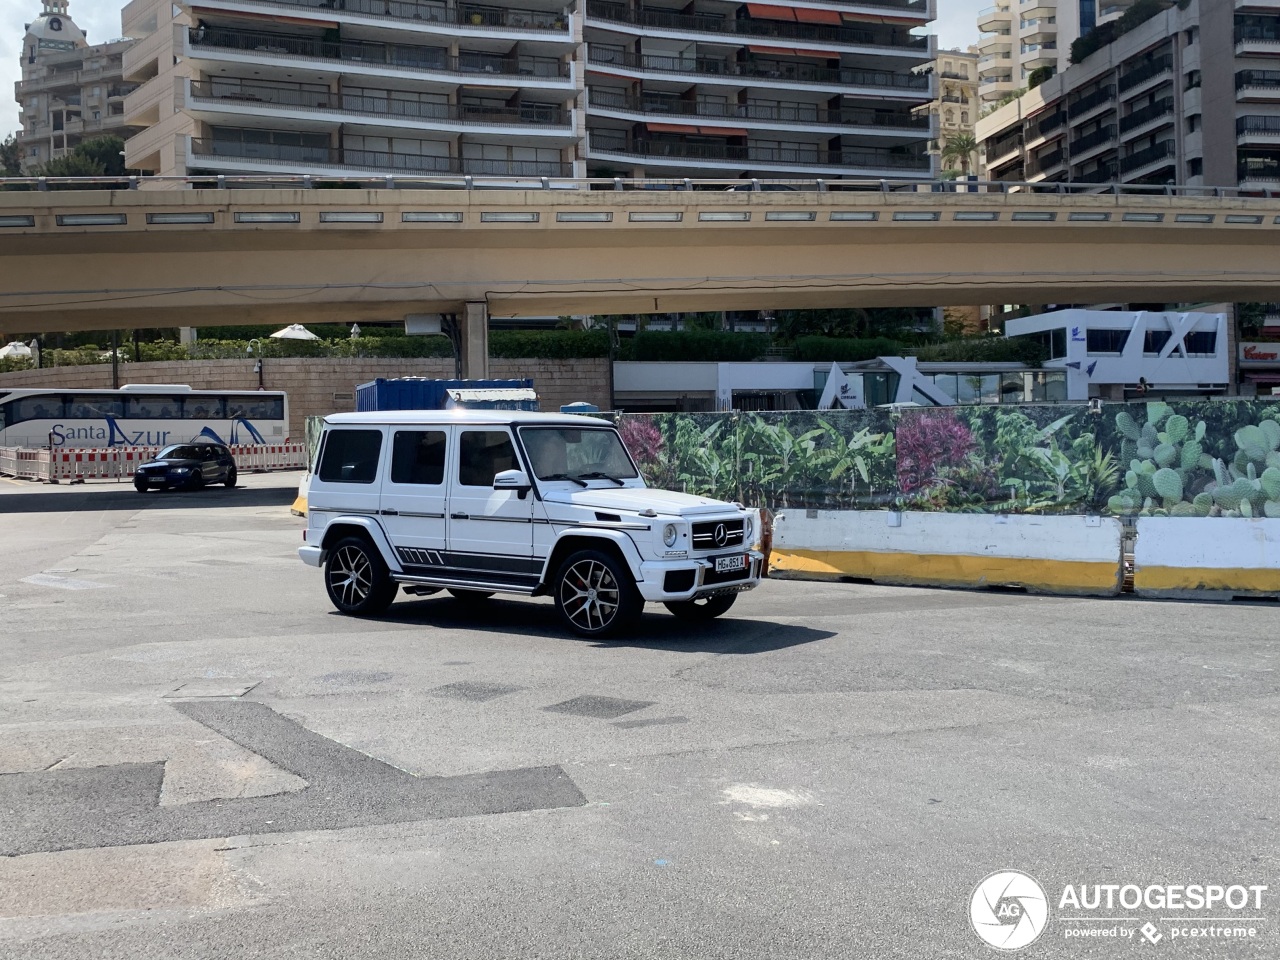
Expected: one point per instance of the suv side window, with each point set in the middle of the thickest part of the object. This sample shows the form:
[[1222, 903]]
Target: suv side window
[[482, 455], [417, 456], [350, 456]]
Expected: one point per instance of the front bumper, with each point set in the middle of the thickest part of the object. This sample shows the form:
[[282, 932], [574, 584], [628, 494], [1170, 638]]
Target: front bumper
[[161, 482], [653, 585]]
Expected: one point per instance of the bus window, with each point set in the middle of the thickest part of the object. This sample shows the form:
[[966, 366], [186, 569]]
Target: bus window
[[152, 408], [237, 409], [89, 407], [204, 408], [34, 408]]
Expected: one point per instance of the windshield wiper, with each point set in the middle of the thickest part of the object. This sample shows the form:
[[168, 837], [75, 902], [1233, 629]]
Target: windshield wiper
[[565, 476], [597, 475]]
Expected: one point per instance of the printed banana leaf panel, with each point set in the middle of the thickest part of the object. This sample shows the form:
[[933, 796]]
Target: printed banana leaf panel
[[1185, 458]]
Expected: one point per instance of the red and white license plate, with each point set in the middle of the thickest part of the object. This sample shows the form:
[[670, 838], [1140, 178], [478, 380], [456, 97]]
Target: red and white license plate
[[730, 564]]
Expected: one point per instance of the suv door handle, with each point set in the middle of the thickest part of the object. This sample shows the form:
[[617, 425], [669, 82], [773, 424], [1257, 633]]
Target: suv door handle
[[460, 516], [390, 513]]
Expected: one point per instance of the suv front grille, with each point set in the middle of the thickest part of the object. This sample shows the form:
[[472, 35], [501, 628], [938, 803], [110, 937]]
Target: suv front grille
[[717, 534]]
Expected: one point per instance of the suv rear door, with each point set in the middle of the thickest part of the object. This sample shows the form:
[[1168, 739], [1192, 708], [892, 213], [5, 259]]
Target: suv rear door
[[490, 531], [414, 496]]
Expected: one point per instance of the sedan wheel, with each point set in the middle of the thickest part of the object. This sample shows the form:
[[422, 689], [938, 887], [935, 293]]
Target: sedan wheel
[[356, 578], [231, 477], [196, 481], [595, 594]]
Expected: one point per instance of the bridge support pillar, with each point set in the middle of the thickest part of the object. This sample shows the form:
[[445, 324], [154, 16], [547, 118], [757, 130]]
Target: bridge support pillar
[[475, 341]]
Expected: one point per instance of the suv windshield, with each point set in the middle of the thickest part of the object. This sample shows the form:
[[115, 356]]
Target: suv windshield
[[595, 453], [179, 451]]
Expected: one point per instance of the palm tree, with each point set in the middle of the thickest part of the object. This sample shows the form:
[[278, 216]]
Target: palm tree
[[959, 148]]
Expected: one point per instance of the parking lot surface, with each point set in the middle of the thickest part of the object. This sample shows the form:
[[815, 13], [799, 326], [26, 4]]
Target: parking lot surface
[[200, 758]]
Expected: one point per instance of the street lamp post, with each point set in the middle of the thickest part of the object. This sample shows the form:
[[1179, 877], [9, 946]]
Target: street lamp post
[[257, 366]]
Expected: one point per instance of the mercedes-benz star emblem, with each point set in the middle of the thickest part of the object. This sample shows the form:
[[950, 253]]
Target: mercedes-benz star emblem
[[721, 535]]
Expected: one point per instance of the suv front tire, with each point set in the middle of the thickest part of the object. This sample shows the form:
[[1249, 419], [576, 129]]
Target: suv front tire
[[596, 595]]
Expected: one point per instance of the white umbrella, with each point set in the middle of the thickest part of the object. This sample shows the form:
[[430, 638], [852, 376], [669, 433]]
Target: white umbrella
[[295, 331], [17, 349]]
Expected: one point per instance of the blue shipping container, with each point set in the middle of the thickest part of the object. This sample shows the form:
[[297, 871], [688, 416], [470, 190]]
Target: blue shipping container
[[422, 393]]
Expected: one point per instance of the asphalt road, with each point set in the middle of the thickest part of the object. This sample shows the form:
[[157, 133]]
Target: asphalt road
[[200, 759]]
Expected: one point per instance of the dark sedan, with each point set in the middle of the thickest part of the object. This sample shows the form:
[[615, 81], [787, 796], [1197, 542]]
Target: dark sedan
[[187, 465]]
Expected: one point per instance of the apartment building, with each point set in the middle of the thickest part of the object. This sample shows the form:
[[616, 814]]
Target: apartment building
[[709, 88], [954, 109], [1018, 36], [70, 90], [1190, 96]]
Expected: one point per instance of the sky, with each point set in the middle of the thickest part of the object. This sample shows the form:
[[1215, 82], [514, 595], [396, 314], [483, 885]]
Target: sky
[[956, 26]]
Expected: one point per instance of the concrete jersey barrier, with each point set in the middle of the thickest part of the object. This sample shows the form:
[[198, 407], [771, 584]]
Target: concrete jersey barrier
[[1067, 555], [1207, 558]]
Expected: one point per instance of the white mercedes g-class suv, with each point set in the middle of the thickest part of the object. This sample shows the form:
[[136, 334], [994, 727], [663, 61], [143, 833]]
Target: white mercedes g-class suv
[[483, 502]]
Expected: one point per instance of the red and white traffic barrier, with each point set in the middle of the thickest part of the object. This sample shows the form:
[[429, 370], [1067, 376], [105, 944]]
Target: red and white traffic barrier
[[77, 464]]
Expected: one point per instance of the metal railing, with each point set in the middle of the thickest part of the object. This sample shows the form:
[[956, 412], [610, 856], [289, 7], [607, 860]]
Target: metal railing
[[1051, 122], [397, 55], [1095, 139], [1258, 79], [1152, 68], [1086, 103], [1264, 125], [710, 23], [389, 162], [1161, 151], [424, 11], [757, 110], [782, 156], [998, 148], [375, 104], [1153, 111], [765, 69]]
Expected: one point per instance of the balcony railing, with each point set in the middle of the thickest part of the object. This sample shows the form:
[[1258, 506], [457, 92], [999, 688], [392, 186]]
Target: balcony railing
[[1258, 80], [1087, 103], [1050, 123], [1266, 33], [1154, 111], [998, 148], [421, 11], [388, 103], [1142, 158], [1258, 168], [1046, 162], [1104, 174], [711, 23], [1152, 68], [764, 69], [398, 55], [1269, 126], [603, 141], [1095, 139], [303, 156], [763, 111]]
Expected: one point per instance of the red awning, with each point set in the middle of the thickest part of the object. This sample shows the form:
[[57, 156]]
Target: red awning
[[818, 16], [723, 131], [820, 54], [766, 12], [669, 128], [784, 51]]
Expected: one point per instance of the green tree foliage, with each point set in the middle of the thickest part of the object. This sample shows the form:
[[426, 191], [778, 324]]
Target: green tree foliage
[[1039, 75], [10, 159], [99, 157], [959, 149]]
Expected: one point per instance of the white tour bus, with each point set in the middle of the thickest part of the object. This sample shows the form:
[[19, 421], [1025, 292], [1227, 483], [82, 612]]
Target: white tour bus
[[141, 415]]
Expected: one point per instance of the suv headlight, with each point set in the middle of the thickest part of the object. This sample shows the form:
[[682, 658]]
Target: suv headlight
[[669, 534], [748, 530]]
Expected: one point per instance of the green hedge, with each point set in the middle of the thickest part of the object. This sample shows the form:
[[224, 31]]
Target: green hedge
[[828, 349], [548, 344], [701, 345], [983, 350]]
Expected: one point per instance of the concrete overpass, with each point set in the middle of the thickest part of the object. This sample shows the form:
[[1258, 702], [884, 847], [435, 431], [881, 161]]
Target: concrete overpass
[[106, 259]]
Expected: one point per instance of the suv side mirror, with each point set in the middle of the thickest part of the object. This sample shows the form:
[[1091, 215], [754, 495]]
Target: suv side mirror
[[516, 480]]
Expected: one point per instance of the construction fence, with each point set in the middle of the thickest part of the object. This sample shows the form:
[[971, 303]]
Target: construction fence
[[119, 463]]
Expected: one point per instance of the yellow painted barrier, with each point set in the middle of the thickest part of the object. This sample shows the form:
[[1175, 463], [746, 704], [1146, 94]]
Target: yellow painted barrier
[[1207, 558]]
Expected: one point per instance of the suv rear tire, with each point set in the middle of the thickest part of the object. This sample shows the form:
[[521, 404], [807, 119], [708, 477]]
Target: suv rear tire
[[707, 608], [357, 579], [596, 595]]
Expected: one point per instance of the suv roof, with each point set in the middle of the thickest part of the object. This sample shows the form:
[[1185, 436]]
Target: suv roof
[[513, 417]]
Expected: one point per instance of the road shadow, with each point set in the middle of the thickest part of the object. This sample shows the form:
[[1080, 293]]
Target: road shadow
[[657, 629], [82, 498]]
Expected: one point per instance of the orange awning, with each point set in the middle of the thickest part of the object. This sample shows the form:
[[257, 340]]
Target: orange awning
[[766, 12], [723, 131], [818, 16], [784, 51], [821, 54], [669, 128]]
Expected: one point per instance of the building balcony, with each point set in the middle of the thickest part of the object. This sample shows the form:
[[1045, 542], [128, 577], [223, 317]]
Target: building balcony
[[1040, 55], [1037, 8], [1145, 118], [1258, 86], [1258, 41], [1037, 31], [1082, 107], [991, 89], [1258, 173], [380, 59], [1045, 165], [1137, 79], [759, 115], [910, 87], [994, 44], [1105, 173], [994, 18], [421, 16], [235, 157], [1001, 151], [887, 41], [1258, 6], [1089, 144], [1264, 131], [219, 99], [1145, 162], [1046, 125], [717, 158]]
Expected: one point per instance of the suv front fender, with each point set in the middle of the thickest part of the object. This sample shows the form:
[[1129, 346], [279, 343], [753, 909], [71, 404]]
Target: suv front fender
[[579, 538]]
